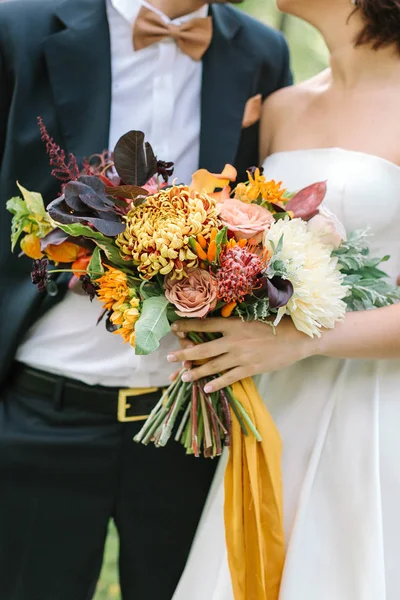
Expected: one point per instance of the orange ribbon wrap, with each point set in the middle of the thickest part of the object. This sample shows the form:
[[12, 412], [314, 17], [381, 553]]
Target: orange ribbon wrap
[[253, 502]]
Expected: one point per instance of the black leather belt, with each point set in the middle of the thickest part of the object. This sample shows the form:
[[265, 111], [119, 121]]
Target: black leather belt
[[127, 404]]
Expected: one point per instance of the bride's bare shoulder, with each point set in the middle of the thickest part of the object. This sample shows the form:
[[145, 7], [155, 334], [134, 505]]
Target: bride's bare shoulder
[[288, 102]]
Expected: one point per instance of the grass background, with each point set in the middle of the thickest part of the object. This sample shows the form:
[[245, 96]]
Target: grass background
[[309, 56]]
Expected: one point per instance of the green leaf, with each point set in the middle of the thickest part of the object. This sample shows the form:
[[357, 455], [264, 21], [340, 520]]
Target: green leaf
[[152, 325], [280, 245], [17, 207], [150, 290], [192, 244], [29, 216], [220, 240], [34, 202], [281, 215], [95, 267], [104, 243]]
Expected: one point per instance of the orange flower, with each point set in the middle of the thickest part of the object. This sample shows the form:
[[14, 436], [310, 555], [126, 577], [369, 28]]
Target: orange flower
[[204, 181], [81, 264], [30, 245], [228, 309], [259, 188], [67, 252], [117, 297], [206, 251]]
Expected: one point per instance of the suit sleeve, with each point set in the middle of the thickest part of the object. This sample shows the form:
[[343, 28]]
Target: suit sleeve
[[4, 97], [286, 76]]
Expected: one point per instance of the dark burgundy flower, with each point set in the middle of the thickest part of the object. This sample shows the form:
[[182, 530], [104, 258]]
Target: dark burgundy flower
[[88, 286], [65, 169], [279, 291], [40, 276], [165, 169]]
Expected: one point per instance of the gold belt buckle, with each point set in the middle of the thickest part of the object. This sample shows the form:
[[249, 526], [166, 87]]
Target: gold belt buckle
[[124, 406]]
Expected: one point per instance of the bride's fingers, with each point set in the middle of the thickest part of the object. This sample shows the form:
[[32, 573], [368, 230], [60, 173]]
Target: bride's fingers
[[211, 367], [174, 375], [228, 378], [211, 325], [186, 343], [200, 351]]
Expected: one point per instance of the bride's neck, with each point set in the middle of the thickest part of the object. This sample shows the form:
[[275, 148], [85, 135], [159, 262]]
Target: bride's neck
[[353, 65]]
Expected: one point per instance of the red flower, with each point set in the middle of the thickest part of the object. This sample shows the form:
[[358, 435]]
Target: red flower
[[239, 273]]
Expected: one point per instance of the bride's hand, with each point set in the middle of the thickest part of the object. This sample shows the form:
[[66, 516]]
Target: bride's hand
[[244, 350]]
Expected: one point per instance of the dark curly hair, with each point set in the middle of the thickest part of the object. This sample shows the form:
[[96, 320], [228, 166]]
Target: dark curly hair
[[382, 23]]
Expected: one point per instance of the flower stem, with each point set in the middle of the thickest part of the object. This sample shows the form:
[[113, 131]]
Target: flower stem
[[194, 422], [170, 421], [183, 423], [244, 414]]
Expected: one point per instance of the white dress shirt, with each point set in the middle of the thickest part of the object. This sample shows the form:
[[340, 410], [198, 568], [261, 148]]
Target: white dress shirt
[[156, 90]]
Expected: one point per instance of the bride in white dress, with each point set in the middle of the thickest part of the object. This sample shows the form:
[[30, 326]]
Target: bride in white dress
[[336, 401]]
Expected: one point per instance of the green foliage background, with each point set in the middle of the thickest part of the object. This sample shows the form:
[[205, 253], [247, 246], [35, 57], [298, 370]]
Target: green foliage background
[[309, 56]]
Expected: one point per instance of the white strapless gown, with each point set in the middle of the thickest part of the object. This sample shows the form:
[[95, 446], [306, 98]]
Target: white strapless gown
[[340, 425]]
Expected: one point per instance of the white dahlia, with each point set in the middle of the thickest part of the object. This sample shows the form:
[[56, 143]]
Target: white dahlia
[[317, 301]]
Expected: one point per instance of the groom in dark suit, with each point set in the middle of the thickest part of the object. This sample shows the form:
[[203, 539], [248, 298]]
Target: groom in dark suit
[[93, 69]]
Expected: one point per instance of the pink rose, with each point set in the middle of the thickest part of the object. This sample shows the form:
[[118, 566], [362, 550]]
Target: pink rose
[[194, 296], [244, 220], [327, 226], [153, 186]]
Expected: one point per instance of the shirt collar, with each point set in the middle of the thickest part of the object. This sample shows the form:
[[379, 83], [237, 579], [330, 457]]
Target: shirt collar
[[129, 10]]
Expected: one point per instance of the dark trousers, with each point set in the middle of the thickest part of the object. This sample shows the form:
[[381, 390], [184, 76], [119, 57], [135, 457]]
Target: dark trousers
[[63, 474]]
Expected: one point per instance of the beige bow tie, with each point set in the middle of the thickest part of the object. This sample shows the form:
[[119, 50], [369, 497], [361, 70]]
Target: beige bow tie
[[192, 37]]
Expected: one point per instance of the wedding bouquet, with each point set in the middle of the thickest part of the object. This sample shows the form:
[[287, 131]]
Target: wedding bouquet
[[152, 253]]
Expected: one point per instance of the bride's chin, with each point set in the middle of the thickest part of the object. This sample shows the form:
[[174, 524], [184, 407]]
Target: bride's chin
[[287, 6]]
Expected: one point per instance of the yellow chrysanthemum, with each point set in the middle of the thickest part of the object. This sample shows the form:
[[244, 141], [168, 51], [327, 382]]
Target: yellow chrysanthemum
[[121, 300], [317, 300], [258, 187], [158, 231]]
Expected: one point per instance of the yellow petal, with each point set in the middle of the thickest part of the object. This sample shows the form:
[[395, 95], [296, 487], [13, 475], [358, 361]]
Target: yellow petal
[[30, 245]]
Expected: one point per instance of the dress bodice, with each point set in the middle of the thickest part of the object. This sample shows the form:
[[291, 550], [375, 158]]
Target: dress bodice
[[363, 190]]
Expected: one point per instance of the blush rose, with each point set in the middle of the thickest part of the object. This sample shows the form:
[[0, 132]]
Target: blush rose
[[245, 221], [194, 296]]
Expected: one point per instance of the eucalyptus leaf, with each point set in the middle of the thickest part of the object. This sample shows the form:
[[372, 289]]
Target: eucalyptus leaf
[[152, 325]]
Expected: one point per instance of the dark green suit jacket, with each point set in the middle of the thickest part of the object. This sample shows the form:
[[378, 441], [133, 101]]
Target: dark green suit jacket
[[55, 62]]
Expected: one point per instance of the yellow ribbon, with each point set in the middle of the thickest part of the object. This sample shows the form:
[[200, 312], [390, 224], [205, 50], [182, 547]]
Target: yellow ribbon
[[253, 503]]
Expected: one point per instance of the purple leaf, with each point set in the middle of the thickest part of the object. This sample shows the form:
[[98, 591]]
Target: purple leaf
[[107, 223], [305, 203], [54, 238], [58, 236], [134, 160]]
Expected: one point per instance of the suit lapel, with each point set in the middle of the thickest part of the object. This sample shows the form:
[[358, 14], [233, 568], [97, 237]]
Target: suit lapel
[[227, 85], [79, 65]]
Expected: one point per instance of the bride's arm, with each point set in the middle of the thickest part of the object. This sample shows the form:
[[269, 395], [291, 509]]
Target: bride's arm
[[371, 334], [247, 349]]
